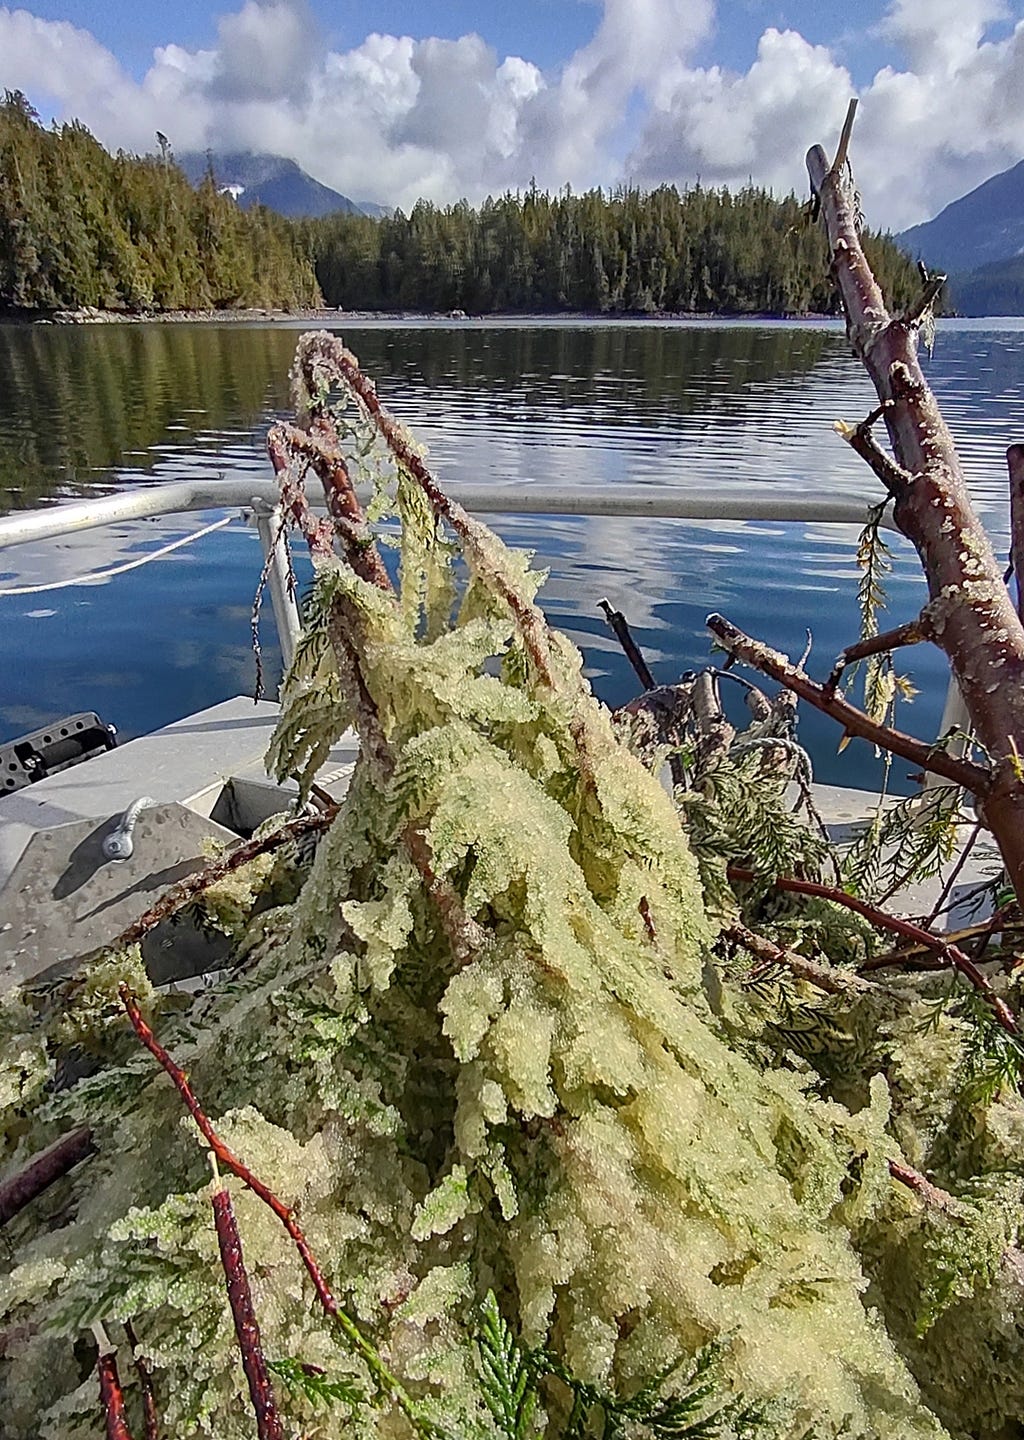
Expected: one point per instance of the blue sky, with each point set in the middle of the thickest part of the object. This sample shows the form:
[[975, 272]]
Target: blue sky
[[398, 100]]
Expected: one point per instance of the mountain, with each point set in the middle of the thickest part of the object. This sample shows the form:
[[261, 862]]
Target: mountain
[[272, 181], [979, 229]]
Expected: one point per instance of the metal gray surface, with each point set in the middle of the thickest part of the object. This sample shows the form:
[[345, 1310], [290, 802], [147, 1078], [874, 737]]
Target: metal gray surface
[[65, 899], [193, 756], [661, 501]]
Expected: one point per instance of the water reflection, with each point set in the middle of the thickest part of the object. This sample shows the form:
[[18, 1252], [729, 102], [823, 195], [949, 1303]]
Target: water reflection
[[704, 406]]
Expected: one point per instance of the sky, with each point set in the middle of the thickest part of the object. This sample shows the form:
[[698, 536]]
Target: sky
[[444, 99]]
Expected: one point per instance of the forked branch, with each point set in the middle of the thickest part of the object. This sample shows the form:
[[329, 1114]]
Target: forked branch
[[969, 609], [855, 722]]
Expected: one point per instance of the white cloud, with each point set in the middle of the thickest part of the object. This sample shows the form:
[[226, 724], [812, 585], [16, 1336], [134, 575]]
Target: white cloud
[[925, 134], [395, 118]]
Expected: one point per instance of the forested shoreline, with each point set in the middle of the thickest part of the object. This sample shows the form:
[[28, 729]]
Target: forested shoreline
[[700, 251], [81, 228]]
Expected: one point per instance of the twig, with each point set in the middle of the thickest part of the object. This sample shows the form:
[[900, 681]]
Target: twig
[[947, 887], [151, 1421], [635, 656], [194, 884], [862, 441], [111, 1394], [907, 953], [952, 954], [714, 733], [387, 1382], [912, 633], [930, 291], [247, 1330], [620, 626], [855, 722], [42, 1170], [842, 149], [823, 977], [932, 1196]]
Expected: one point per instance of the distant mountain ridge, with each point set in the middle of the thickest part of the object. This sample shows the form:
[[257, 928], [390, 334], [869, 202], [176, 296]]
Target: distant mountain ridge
[[271, 180], [980, 228], [979, 241]]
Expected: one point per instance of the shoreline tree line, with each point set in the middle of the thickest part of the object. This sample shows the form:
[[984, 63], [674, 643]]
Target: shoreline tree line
[[81, 227]]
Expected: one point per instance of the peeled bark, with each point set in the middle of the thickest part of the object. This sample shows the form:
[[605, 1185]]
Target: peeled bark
[[969, 614]]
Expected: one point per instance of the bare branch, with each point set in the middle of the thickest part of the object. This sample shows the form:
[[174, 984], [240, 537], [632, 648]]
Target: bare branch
[[46, 1167], [855, 722], [842, 149], [111, 1394], [912, 633], [824, 977], [247, 1329], [1015, 465], [151, 1420], [631, 649], [953, 956], [969, 609]]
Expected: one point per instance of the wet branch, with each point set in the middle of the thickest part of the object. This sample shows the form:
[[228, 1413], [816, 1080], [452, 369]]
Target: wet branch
[[150, 1419], [226, 1157], [247, 1330], [111, 1394], [855, 722], [951, 954], [43, 1170]]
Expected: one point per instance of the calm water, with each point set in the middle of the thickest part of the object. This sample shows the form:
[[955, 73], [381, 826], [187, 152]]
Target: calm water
[[86, 410]]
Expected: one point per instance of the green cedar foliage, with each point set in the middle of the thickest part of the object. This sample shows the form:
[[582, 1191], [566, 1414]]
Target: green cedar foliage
[[82, 227]]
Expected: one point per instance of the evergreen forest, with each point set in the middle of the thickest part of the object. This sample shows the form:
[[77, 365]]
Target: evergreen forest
[[82, 227], [700, 251]]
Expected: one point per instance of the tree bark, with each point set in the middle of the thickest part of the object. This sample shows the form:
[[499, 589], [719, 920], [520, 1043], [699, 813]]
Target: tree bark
[[969, 613]]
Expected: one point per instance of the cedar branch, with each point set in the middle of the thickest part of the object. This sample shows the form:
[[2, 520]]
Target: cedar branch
[[953, 956]]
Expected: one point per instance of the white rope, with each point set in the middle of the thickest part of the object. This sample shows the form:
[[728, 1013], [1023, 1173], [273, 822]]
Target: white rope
[[96, 575]]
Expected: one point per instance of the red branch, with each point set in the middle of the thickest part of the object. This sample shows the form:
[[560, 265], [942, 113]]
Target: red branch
[[151, 1422], [261, 1391], [112, 1396], [230, 1161], [46, 1167], [769, 662], [952, 954], [226, 1156]]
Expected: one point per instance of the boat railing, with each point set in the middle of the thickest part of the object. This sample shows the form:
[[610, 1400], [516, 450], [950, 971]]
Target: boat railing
[[613, 501]]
